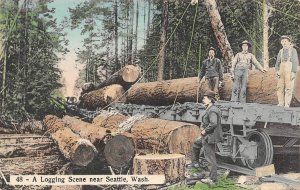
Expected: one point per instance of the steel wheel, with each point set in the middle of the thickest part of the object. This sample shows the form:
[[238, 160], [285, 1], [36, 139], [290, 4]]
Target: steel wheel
[[264, 149]]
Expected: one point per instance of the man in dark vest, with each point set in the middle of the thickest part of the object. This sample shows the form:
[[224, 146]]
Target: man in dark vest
[[212, 71], [210, 135]]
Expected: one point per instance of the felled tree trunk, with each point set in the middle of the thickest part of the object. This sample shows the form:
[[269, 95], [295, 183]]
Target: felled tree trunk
[[31, 165], [24, 145], [172, 166], [80, 151], [125, 77], [118, 150], [156, 135], [102, 97], [261, 88], [86, 130], [169, 91]]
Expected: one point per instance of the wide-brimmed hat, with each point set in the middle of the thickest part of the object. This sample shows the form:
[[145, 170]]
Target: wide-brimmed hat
[[285, 37], [212, 48], [210, 93], [245, 42]]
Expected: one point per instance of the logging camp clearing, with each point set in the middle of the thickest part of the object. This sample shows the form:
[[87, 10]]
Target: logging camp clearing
[[139, 101]]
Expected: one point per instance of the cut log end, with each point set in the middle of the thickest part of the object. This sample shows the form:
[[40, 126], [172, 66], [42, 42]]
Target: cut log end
[[119, 151], [83, 155], [131, 73]]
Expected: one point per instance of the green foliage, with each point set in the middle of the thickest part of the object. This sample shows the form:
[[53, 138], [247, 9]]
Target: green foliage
[[222, 184], [30, 75]]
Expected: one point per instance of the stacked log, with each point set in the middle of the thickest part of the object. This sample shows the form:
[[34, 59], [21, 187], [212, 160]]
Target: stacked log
[[125, 77], [261, 88], [102, 97], [80, 151], [155, 135], [118, 150]]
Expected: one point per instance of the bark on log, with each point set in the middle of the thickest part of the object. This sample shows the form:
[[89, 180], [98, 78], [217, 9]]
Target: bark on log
[[47, 165], [80, 151], [102, 97], [156, 135], [261, 88], [86, 130], [170, 165], [118, 150], [20, 145], [125, 77]]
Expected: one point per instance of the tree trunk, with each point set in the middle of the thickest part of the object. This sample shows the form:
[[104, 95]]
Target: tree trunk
[[102, 97], [130, 48], [86, 130], [80, 151], [172, 166], [261, 88], [155, 135], [118, 150], [20, 145], [266, 16], [136, 30], [163, 39], [47, 165], [125, 77], [118, 66], [219, 31]]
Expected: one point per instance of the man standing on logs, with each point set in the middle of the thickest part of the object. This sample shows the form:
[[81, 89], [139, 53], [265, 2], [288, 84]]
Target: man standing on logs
[[212, 72], [212, 134], [286, 67], [239, 72]]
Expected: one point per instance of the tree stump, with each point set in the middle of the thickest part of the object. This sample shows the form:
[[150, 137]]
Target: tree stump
[[102, 97], [80, 151], [170, 165]]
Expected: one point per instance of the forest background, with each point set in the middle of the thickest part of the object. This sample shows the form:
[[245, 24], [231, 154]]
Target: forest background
[[167, 38]]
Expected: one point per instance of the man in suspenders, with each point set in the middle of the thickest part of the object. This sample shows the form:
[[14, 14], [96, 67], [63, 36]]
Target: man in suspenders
[[286, 68], [239, 72], [212, 72]]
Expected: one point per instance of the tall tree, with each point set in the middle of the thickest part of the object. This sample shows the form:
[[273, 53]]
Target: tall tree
[[163, 39], [219, 30]]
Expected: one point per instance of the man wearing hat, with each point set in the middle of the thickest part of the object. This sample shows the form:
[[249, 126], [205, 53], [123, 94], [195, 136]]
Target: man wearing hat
[[212, 71], [210, 135], [286, 67], [239, 71]]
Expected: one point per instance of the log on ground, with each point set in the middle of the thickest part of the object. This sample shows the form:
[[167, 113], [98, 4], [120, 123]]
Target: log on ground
[[261, 88], [102, 97], [156, 135], [80, 151], [118, 150], [170, 165]]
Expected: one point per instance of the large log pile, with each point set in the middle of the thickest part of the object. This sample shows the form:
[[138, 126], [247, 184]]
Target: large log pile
[[118, 150], [261, 88], [80, 151]]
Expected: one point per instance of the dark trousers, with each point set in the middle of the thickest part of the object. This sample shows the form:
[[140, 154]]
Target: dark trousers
[[239, 85], [209, 153], [213, 85]]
